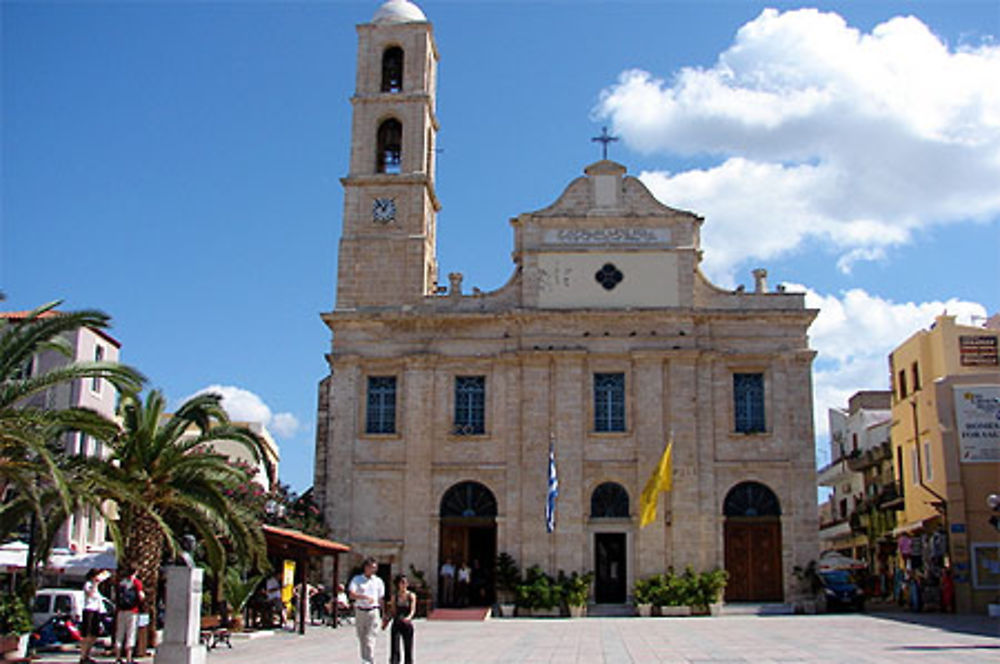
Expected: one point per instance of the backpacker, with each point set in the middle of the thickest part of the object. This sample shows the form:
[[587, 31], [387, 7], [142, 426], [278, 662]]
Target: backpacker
[[128, 595]]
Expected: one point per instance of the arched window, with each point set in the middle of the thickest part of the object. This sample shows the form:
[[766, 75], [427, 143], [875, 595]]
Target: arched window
[[609, 501], [390, 147], [751, 499], [468, 499], [392, 69]]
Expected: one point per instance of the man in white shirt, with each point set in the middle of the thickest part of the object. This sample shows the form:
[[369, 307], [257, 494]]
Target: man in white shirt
[[367, 591]]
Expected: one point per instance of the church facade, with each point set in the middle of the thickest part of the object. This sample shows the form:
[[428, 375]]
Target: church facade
[[436, 421]]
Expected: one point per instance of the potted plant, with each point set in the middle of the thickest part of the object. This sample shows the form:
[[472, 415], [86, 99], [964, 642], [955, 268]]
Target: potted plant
[[422, 589], [508, 577], [238, 592], [538, 594], [708, 587], [15, 626], [673, 594], [576, 590], [643, 591]]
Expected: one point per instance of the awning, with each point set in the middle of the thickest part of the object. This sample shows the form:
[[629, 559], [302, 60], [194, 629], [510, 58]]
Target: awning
[[14, 555], [914, 526], [285, 540], [298, 546], [78, 564]]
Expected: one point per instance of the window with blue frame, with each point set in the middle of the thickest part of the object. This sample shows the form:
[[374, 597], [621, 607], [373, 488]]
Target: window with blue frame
[[748, 397], [380, 416], [609, 402], [470, 405]]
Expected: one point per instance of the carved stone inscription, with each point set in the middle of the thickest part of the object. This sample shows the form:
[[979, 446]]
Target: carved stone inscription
[[578, 236]]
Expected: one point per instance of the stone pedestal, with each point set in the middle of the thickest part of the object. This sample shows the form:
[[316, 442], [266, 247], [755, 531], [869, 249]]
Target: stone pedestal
[[182, 623]]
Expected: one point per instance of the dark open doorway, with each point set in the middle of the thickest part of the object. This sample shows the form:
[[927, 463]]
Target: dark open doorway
[[609, 566], [468, 535]]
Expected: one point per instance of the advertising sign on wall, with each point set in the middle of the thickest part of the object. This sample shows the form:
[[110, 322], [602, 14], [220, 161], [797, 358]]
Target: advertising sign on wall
[[977, 416], [986, 566], [978, 351]]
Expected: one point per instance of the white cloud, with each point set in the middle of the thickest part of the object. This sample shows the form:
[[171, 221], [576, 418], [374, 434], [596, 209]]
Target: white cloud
[[284, 425], [823, 133], [853, 336], [245, 406]]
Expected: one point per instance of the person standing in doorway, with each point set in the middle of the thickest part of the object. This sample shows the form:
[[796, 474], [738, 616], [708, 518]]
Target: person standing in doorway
[[402, 606], [447, 583], [127, 600], [463, 577], [367, 591]]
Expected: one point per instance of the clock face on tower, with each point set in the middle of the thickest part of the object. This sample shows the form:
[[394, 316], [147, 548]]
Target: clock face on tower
[[383, 210]]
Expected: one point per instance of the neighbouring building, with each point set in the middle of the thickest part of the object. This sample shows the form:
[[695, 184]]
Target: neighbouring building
[[435, 425], [946, 450], [860, 513], [85, 530], [265, 468]]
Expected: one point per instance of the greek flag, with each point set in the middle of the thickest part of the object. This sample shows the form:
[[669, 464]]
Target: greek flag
[[550, 502]]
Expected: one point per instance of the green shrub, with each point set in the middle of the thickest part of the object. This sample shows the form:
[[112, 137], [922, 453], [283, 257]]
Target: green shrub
[[576, 587], [697, 590], [15, 619], [709, 587], [643, 589], [538, 591], [508, 575]]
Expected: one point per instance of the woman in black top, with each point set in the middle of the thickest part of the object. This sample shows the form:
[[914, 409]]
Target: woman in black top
[[402, 606]]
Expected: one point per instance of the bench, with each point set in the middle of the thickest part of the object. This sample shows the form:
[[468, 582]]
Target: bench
[[214, 632]]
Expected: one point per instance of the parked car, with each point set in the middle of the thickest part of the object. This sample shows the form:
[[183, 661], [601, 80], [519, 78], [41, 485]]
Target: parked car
[[51, 602], [841, 591], [68, 602]]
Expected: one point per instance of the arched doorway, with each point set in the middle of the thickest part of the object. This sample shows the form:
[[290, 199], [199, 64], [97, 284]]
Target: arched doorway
[[753, 544], [609, 501], [468, 534]]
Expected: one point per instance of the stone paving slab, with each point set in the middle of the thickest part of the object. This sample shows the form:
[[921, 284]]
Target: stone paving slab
[[848, 638]]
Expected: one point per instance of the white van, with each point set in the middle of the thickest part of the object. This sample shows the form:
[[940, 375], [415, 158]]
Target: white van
[[56, 602]]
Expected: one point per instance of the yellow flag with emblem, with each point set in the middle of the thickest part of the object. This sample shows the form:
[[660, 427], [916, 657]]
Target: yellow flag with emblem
[[660, 480]]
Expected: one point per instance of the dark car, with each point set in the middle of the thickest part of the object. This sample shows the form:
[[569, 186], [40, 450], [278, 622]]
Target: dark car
[[841, 591]]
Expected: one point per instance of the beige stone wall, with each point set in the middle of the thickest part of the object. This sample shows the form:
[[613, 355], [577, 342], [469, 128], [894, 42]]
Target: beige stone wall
[[387, 490]]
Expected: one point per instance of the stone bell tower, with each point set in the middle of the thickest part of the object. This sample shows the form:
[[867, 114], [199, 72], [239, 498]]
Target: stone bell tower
[[387, 247]]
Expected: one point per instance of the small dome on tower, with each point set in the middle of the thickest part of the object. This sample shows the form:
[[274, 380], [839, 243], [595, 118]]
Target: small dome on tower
[[398, 11]]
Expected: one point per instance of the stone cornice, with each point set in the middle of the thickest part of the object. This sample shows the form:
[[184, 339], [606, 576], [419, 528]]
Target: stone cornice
[[388, 99], [393, 179], [415, 315]]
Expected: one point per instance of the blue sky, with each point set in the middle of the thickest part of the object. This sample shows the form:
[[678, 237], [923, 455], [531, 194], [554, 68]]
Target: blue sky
[[178, 165]]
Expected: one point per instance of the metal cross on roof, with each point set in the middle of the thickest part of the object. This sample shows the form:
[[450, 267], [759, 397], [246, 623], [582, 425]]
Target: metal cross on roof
[[604, 138]]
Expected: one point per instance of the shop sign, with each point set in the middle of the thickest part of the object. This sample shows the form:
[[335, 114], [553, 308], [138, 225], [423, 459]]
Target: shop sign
[[958, 527], [978, 351], [977, 417]]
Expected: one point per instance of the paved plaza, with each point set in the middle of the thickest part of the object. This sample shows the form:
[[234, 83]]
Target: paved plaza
[[853, 638]]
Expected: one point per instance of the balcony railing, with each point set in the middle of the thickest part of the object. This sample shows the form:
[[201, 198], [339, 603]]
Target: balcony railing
[[890, 497], [860, 461]]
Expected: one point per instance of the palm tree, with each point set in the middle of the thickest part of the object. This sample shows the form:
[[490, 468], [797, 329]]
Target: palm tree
[[166, 480], [34, 485]]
